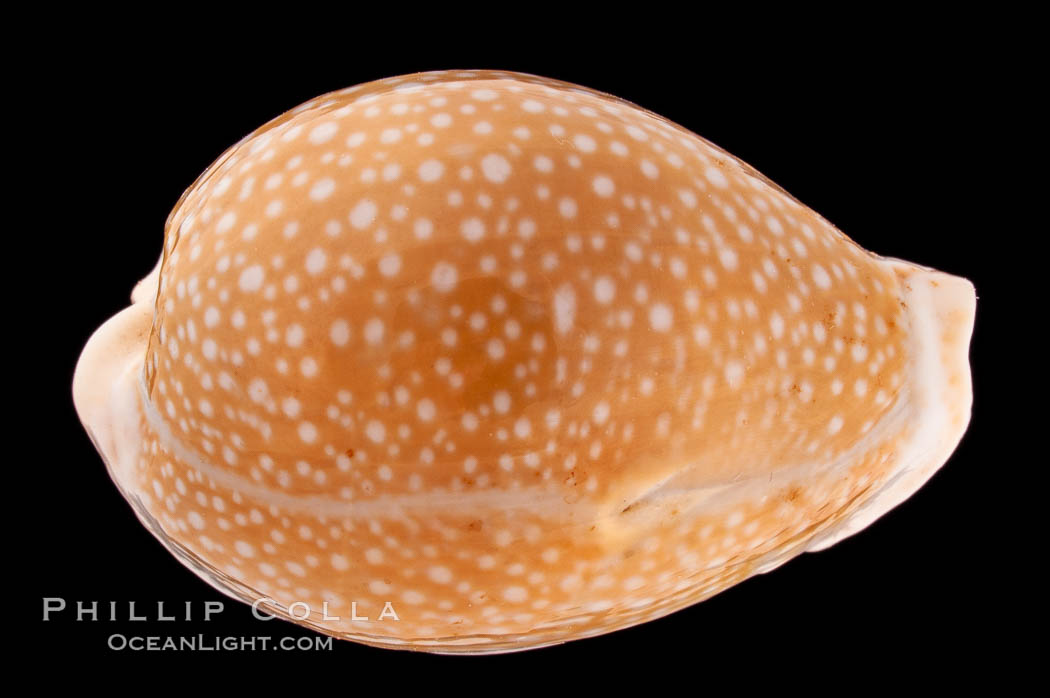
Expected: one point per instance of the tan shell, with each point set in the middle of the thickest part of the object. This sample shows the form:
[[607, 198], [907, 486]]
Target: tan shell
[[516, 360]]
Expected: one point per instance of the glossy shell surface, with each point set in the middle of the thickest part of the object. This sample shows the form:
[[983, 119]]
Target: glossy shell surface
[[516, 360]]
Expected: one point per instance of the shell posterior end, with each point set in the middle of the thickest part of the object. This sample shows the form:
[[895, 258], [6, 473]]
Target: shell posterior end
[[940, 309]]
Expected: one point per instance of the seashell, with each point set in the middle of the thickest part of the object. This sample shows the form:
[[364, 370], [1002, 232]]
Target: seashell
[[514, 360]]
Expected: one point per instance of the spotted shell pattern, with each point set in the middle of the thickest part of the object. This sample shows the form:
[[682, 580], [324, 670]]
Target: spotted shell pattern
[[516, 358]]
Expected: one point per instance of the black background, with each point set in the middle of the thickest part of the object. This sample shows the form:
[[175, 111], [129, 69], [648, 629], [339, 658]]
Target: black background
[[886, 136]]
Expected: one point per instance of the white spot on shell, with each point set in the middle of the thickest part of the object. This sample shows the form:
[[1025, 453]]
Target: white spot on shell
[[431, 170], [363, 214], [425, 409], [375, 431], [660, 317], [820, 277], [473, 229], [604, 290], [323, 133], [564, 308], [251, 278], [307, 432], [715, 177], [734, 374], [495, 167], [603, 186], [390, 265], [315, 261], [374, 330], [340, 333], [444, 277], [322, 189]]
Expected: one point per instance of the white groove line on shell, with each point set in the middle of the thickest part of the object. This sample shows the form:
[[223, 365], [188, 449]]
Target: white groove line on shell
[[533, 500]]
